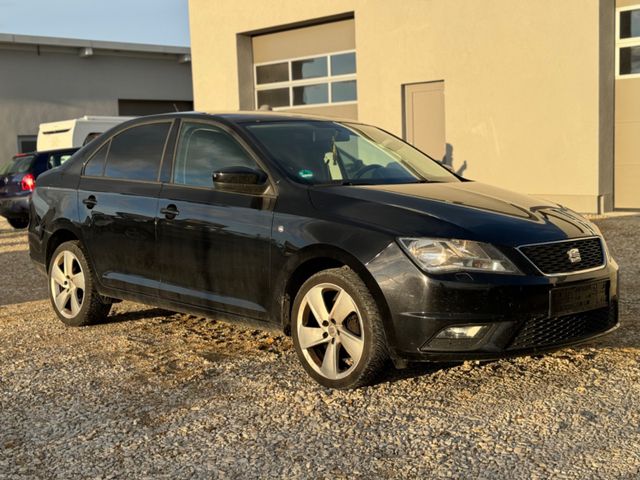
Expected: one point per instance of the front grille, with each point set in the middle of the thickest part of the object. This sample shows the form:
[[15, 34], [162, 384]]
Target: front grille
[[553, 258], [550, 331]]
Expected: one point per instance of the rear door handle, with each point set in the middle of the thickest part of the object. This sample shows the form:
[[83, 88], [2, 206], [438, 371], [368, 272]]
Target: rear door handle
[[170, 211], [90, 202]]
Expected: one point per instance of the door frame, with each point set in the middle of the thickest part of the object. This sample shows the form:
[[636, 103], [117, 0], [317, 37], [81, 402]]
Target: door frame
[[403, 112]]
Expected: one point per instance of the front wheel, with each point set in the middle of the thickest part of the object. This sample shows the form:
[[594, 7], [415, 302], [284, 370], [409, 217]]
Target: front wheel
[[337, 330], [71, 287]]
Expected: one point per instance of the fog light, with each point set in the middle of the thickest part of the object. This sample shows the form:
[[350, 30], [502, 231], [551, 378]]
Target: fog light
[[461, 333]]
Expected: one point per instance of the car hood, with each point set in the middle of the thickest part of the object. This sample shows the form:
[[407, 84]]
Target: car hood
[[468, 210]]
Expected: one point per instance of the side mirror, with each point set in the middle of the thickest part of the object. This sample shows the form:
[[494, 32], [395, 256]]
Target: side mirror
[[240, 179]]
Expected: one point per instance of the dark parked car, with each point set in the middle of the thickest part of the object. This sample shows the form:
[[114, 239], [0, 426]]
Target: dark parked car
[[18, 179], [358, 245]]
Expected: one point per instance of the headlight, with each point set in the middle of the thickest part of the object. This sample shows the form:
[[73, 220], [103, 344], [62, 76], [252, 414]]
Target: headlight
[[436, 255]]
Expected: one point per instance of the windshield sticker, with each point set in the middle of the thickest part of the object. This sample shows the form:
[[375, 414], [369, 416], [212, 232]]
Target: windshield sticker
[[305, 173]]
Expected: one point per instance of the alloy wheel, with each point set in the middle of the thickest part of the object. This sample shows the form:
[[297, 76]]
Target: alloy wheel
[[330, 331], [67, 284]]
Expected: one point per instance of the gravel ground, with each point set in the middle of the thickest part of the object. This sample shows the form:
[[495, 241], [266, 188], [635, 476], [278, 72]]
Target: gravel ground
[[159, 395]]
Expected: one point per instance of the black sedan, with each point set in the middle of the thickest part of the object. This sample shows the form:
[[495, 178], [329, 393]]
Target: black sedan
[[18, 178], [361, 247]]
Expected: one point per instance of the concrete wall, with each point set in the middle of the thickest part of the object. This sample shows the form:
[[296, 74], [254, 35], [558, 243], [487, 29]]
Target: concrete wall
[[56, 85], [524, 92]]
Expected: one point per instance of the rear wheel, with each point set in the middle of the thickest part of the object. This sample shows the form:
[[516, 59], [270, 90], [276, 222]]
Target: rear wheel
[[19, 223], [71, 287], [337, 330]]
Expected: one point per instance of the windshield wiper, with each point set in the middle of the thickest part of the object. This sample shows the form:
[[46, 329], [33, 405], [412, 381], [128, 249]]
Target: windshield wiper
[[350, 183], [341, 183]]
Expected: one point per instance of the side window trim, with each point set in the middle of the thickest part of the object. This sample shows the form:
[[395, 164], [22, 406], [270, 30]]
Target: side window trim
[[107, 142], [106, 157], [165, 174], [241, 142]]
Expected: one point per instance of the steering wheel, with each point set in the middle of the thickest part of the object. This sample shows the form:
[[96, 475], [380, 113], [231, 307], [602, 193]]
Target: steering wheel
[[360, 173]]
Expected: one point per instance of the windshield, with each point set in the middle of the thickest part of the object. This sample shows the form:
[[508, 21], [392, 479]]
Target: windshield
[[323, 152], [16, 165]]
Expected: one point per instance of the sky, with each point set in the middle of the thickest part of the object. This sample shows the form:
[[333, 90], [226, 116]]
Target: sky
[[162, 22]]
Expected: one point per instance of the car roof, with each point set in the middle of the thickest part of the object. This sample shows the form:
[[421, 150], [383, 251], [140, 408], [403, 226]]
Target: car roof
[[240, 117], [264, 116], [57, 150], [18, 156]]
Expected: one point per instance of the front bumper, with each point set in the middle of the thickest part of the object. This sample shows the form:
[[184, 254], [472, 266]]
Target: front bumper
[[516, 309], [15, 207]]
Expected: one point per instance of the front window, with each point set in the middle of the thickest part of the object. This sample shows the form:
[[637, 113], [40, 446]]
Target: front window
[[313, 81], [204, 149], [628, 42], [323, 152]]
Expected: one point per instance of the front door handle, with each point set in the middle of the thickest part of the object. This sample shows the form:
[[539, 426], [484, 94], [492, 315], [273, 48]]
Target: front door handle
[[170, 211], [90, 202]]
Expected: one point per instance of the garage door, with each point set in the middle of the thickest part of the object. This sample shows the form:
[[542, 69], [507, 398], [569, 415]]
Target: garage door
[[307, 70]]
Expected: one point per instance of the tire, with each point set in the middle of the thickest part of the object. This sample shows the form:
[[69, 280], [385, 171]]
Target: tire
[[346, 348], [19, 223], [72, 289]]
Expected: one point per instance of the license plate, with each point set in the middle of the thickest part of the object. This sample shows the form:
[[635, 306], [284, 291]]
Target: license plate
[[579, 298]]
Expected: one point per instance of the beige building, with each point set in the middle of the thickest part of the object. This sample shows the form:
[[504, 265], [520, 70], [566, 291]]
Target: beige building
[[541, 97]]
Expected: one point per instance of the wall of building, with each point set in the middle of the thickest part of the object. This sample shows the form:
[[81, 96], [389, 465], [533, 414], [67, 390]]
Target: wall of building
[[627, 138], [56, 85], [523, 84]]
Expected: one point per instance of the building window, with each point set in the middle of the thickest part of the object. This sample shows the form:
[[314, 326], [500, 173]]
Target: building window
[[27, 143], [628, 42], [135, 108], [310, 81]]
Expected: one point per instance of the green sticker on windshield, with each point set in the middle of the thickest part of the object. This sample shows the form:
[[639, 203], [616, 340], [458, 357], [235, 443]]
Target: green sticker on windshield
[[306, 173]]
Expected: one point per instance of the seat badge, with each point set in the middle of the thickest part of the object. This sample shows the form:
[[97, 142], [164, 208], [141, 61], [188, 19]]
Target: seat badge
[[574, 255]]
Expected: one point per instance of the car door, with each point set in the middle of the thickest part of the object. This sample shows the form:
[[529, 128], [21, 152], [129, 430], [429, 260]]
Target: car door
[[117, 203], [213, 245]]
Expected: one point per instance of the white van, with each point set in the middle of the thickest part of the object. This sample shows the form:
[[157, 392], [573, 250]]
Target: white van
[[75, 132]]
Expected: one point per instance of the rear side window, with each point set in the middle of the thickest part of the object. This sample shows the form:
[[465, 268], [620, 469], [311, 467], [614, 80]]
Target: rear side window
[[204, 149], [135, 154], [57, 159], [95, 165], [16, 165]]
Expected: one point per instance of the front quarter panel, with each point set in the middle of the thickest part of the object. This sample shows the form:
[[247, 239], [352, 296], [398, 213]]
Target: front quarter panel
[[299, 236]]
